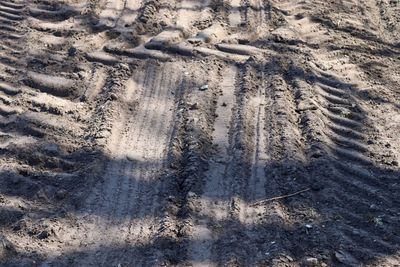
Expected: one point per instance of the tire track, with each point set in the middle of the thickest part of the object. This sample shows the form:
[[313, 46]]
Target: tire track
[[259, 157], [215, 197], [11, 26], [264, 138], [247, 174], [338, 128], [47, 120], [342, 110], [339, 133], [350, 169], [126, 205], [34, 109], [283, 165]]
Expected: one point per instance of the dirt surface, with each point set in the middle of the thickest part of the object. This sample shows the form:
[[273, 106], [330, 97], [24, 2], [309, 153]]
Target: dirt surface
[[199, 133]]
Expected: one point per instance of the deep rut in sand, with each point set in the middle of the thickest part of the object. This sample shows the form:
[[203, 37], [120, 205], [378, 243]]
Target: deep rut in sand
[[199, 133]]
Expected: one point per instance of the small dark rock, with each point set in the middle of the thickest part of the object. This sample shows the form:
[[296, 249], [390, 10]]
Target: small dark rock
[[113, 96], [83, 98], [72, 51], [194, 106], [316, 186], [43, 235], [61, 194]]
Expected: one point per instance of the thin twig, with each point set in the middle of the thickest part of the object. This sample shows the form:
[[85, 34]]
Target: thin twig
[[279, 197]]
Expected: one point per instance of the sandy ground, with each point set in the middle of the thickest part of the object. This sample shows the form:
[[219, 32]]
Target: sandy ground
[[199, 133]]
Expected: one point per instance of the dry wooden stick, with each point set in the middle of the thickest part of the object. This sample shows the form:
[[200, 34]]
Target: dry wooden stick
[[279, 197]]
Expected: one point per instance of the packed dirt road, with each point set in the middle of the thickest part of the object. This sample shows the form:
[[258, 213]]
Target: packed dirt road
[[199, 133]]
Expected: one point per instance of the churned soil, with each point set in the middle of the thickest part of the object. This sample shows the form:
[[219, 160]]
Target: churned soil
[[199, 133]]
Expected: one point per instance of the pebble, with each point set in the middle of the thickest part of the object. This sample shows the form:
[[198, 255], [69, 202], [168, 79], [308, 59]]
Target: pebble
[[43, 235], [370, 142], [62, 193], [308, 226], [204, 87], [131, 158], [311, 262], [194, 106], [72, 51], [113, 96]]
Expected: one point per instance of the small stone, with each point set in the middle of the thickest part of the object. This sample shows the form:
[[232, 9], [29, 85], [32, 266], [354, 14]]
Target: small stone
[[306, 105], [113, 96], [308, 226], [317, 186], [194, 106], [131, 158], [43, 235], [224, 104], [61, 194], [204, 87], [311, 262], [72, 51]]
